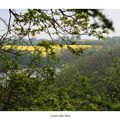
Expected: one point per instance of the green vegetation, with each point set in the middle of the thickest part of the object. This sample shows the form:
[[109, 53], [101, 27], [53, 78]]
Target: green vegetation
[[76, 80], [86, 82], [92, 79]]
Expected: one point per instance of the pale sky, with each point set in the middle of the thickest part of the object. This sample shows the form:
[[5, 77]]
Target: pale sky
[[113, 14]]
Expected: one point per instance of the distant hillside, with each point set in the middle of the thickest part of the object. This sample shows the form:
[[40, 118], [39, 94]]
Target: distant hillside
[[107, 40]]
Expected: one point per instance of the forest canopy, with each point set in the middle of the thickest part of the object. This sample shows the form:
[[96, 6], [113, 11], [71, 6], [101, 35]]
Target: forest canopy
[[72, 81], [58, 22]]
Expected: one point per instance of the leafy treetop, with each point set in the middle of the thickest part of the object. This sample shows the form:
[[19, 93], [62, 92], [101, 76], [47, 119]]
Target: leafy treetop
[[61, 22]]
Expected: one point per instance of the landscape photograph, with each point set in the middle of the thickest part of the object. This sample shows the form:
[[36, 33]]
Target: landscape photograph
[[59, 59]]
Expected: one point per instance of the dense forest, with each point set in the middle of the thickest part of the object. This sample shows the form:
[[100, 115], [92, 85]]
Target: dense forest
[[73, 80]]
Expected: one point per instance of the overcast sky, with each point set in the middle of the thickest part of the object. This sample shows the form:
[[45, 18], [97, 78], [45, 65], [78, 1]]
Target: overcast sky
[[113, 14]]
